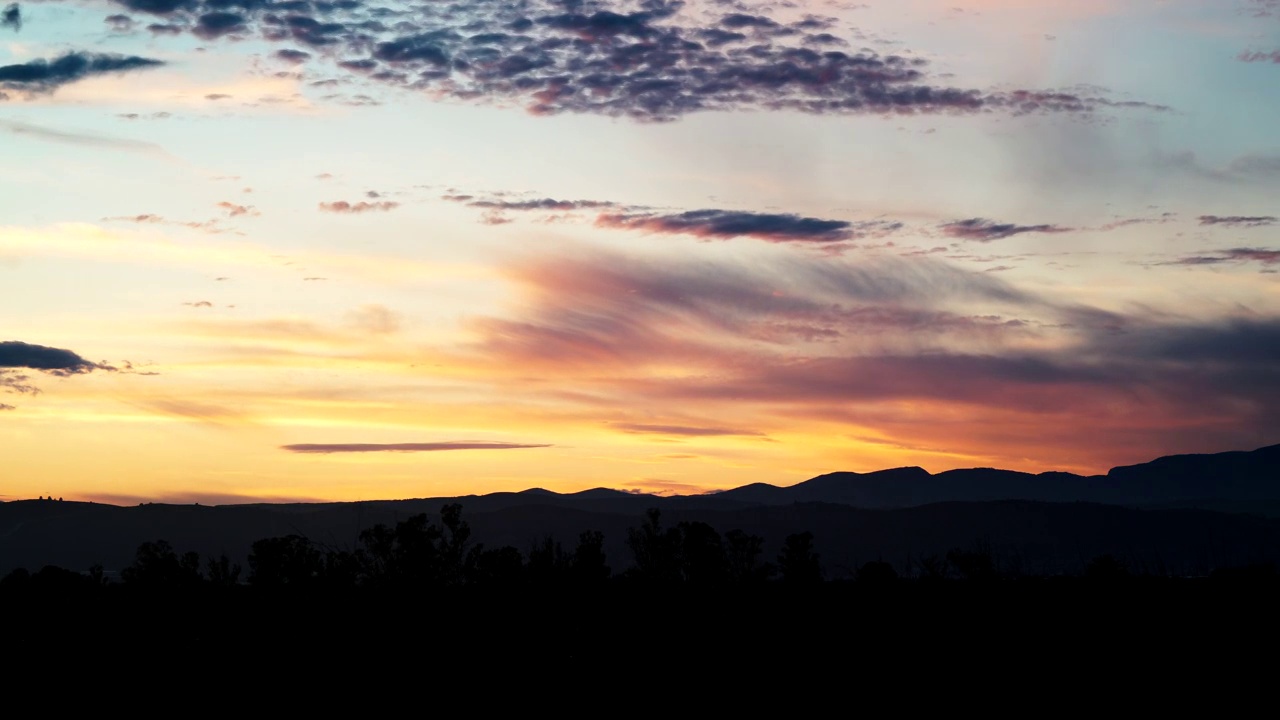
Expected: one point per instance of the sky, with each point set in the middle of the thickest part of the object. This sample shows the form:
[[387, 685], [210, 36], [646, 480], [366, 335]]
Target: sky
[[306, 250]]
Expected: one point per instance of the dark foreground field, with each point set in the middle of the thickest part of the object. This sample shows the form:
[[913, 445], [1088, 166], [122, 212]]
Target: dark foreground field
[[1099, 623]]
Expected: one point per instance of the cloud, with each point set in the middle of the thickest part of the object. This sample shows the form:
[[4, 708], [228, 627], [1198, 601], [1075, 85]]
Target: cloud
[[293, 57], [55, 361], [342, 206], [71, 138], [327, 448], [196, 497], [1259, 56], [922, 350], [650, 60], [47, 75], [1259, 255], [6, 406], [159, 7], [213, 25], [547, 204], [726, 224], [684, 430], [119, 23], [11, 17], [17, 383], [375, 319], [49, 360], [983, 230], [1239, 220], [234, 210]]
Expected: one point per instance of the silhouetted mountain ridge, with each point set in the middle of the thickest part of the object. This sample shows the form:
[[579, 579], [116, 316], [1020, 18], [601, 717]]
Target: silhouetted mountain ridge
[[1170, 481], [1051, 519]]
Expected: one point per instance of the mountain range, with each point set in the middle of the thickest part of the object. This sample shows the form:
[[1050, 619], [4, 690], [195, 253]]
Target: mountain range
[[1183, 514]]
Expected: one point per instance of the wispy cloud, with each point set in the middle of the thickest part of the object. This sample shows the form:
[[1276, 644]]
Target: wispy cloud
[[327, 448], [1234, 255], [983, 230], [79, 138], [683, 430], [1239, 220]]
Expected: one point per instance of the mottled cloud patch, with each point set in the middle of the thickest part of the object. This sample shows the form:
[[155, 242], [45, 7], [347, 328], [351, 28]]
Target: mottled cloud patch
[[983, 230], [1259, 56], [650, 60], [344, 207], [42, 76], [1239, 220], [329, 448], [727, 224], [235, 210]]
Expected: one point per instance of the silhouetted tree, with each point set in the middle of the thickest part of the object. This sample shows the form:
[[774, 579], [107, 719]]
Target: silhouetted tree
[[798, 562], [932, 568], [702, 555], [877, 572], [16, 579], [743, 553], [419, 554], [285, 562], [156, 564], [1106, 568], [589, 564], [976, 565], [98, 575], [221, 572], [502, 566], [406, 556], [457, 556], [656, 551], [547, 562]]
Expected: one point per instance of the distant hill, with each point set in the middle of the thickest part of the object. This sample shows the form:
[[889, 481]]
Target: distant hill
[[1230, 479], [1180, 512]]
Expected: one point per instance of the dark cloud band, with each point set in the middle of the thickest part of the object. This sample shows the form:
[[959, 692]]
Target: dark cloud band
[[1239, 220], [47, 75], [14, 354], [725, 224]]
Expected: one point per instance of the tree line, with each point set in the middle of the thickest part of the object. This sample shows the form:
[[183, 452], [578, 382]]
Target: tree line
[[418, 554]]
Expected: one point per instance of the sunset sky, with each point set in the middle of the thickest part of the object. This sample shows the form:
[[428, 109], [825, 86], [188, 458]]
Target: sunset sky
[[269, 250]]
